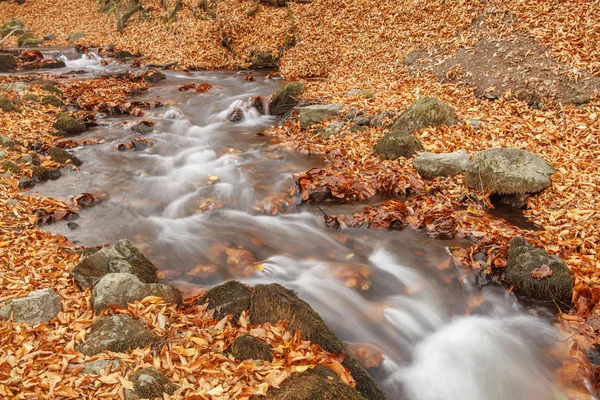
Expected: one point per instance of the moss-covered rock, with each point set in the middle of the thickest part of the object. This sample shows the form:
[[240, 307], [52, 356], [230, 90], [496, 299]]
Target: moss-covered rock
[[318, 383], [74, 37], [424, 113], [52, 64], [30, 159], [150, 383], [50, 87], [508, 171], [8, 62], [247, 347], [286, 99], [523, 259], [263, 59], [53, 101], [13, 24], [10, 166], [6, 141], [7, 105], [311, 115], [122, 54], [28, 40], [40, 173], [232, 297], [30, 97], [62, 156], [68, 126]]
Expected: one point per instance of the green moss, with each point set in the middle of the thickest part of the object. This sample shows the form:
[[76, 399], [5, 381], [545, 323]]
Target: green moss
[[10, 166], [30, 97], [232, 297], [28, 40], [247, 347], [53, 101], [6, 105], [49, 87], [68, 125], [10, 25], [286, 99]]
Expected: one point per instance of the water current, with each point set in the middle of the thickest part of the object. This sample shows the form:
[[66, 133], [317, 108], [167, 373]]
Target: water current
[[413, 309]]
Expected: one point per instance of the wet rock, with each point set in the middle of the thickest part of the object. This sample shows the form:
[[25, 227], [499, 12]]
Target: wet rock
[[431, 165], [247, 347], [143, 127], [28, 40], [231, 297], [26, 182], [121, 289], [74, 37], [123, 257], [311, 115], [119, 333], [8, 62], [318, 383], [68, 126], [96, 367], [40, 173], [13, 24], [72, 225], [425, 112], [62, 156], [37, 307], [6, 105], [258, 103], [149, 383], [122, 54], [153, 75], [514, 200], [286, 99], [53, 101], [273, 303], [332, 129], [6, 141], [523, 259], [263, 59], [51, 64], [508, 171], [236, 115]]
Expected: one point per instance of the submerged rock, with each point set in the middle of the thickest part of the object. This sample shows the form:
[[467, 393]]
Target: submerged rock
[[62, 156], [8, 62], [37, 307], [69, 126], [286, 99], [236, 115], [318, 383], [424, 113], [247, 347], [121, 289], [143, 127], [258, 103], [311, 115], [123, 257], [150, 383], [51, 64], [508, 171], [432, 165], [231, 297], [153, 75], [524, 259], [119, 333]]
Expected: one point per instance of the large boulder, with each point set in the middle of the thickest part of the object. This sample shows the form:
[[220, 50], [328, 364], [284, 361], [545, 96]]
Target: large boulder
[[424, 113], [150, 383], [121, 289], [318, 383], [153, 75], [8, 62], [432, 165], [37, 307], [508, 171], [119, 333], [311, 115], [123, 257], [68, 126], [286, 99], [537, 274], [247, 347], [232, 297], [62, 156]]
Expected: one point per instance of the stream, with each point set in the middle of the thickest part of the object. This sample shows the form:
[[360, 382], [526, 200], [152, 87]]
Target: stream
[[406, 298]]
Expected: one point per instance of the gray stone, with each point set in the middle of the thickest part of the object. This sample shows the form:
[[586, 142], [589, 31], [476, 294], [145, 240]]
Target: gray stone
[[97, 366], [149, 383], [123, 257], [26, 183], [29, 159], [6, 141], [523, 258], [358, 92], [424, 113], [474, 123], [119, 333], [2, 154], [431, 165], [18, 87], [379, 121], [62, 156], [311, 115], [361, 121], [50, 36], [121, 289], [332, 129], [286, 99], [74, 37], [508, 171], [37, 307]]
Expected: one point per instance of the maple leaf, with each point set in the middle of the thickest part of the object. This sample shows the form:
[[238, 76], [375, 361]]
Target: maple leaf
[[542, 272]]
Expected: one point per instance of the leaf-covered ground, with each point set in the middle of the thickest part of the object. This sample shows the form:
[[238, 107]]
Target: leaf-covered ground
[[362, 44]]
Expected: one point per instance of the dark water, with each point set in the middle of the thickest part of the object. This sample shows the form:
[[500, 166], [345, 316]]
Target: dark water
[[396, 290]]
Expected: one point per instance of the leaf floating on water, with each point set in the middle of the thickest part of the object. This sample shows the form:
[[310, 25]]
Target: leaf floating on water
[[542, 272]]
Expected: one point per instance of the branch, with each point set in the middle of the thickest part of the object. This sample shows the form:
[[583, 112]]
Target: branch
[[9, 34]]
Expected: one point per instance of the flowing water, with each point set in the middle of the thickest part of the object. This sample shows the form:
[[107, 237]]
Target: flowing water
[[413, 309]]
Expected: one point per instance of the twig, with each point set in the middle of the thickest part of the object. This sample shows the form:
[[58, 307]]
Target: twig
[[9, 34]]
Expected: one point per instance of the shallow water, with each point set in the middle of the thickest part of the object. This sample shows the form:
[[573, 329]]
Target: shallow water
[[406, 301]]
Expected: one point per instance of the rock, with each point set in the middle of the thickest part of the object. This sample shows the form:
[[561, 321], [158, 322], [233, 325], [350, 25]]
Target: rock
[[311, 115], [68, 126], [149, 383], [231, 297], [474, 123], [425, 112], [235, 115], [123, 257], [247, 347], [51, 64], [49, 87], [72, 225], [74, 37], [26, 182], [508, 171], [361, 121], [153, 75], [143, 127], [30, 97], [96, 367], [18, 87], [119, 333], [286, 99], [273, 303], [28, 40], [6, 105], [514, 200], [523, 258], [37, 307], [263, 59], [318, 383], [121, 289], [431, 165], [2, 154], [53, 101], [30, 159], [379, 121], [62, 156], [13, 24], [332, 129], [8, 62], [258, 103], [40, 173], [10, 166], [357, 128], [6, 141], [122, 54], [50, 36]]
